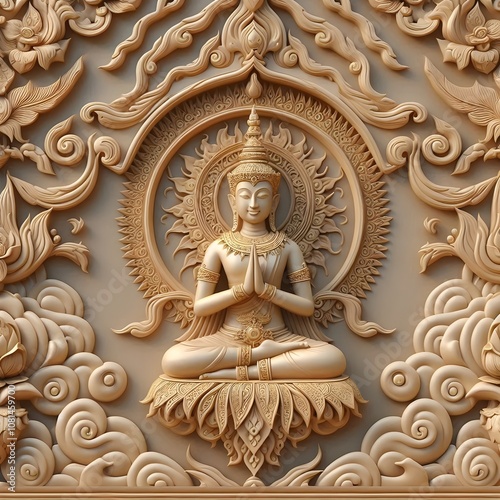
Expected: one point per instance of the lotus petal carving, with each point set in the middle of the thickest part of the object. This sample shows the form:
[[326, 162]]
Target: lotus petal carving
[[12, 352], [470, 38], [37, 38]]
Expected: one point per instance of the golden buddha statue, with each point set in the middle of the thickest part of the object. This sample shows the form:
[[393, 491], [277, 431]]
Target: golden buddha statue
[[240, 333]]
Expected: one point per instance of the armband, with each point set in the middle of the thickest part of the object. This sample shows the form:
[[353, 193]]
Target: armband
[[302, 274], [205, 274]]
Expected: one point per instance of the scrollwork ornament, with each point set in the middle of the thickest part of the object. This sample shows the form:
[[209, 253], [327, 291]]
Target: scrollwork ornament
[[477, 463], [108, 470], [59, 386], [155, 470], [35, 462], [449, 386], [64, 148], [444, 147], [352, 469], [84, 433], [21, 107], [108, 382], [423, 434], [400, 381]]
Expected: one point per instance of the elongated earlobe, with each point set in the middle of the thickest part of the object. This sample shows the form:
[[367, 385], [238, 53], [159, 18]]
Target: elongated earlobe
[[272, 214], [235, 221], [272, 221], [232, 202]]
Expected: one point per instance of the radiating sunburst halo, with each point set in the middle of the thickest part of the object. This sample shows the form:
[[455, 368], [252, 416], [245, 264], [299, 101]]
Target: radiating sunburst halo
[[311, 220]]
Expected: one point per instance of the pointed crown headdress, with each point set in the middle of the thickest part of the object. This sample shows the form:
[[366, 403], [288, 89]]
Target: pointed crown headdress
[[253, 163]]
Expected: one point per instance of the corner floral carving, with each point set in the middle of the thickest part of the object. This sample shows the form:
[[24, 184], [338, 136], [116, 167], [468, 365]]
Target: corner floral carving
[[469, 37], [477, 44], [457, 343], [37, 38], [22, 106]]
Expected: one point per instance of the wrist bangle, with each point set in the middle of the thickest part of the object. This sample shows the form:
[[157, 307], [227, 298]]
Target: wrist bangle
[[239, 293], [269, 292]]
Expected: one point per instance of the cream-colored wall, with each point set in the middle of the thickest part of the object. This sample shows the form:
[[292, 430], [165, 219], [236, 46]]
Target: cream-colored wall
[[397, 296]]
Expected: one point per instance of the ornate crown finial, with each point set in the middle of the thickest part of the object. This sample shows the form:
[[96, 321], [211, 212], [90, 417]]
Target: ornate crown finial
[[253, 164]]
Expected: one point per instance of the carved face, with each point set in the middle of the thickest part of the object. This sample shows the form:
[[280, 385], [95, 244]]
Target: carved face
[[254, 203]]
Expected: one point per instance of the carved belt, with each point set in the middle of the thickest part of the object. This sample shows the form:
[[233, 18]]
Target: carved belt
[[253, 332]]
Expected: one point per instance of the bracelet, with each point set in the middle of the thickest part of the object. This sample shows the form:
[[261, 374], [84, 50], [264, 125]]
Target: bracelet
[[205, 274], [239, 293], [302, 274], [244, 356], [264, 369], [269, 292], [242, 373]]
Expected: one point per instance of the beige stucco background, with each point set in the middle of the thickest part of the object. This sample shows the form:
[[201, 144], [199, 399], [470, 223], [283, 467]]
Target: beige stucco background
[[397, 297]]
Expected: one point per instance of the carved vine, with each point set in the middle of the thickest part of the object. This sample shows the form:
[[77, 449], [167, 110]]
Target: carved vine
[[44, 340], [253, 32]]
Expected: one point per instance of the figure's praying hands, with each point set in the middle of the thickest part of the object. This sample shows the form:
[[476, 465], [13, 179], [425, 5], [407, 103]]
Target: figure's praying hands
[[252, 340]]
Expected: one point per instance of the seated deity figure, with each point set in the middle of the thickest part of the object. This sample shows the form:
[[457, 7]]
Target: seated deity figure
[[251, 340]]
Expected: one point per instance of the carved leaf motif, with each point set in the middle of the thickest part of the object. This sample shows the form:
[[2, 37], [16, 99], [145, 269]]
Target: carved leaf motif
[[208, 475], [41, 160], [53, 52], [29, 101], [301, 475], [456, 52], [6, 77], [388, 6], [474, 18], [479, 102], [476, 244], [32, 19], [120, 6], [431, 252], [76, 252], [77, 225]]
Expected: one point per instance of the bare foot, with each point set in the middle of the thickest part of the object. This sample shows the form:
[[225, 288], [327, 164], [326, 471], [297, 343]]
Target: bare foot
[[271, 348]]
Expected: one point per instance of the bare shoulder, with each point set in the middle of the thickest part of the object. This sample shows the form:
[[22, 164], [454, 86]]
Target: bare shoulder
[[292, 247], [212, 255], [294, 255]]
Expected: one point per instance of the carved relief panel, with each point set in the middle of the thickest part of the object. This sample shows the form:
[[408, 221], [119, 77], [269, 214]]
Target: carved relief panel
[[249, 243]]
